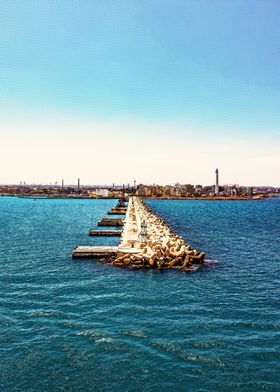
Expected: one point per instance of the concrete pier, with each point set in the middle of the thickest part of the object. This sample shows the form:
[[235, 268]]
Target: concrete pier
[[116, 212], [110, 222], [101, 233], [94, 251], [131, 227], [119, 209]]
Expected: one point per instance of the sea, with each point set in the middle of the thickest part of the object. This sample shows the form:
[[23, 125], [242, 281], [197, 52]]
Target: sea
[[81, 325]]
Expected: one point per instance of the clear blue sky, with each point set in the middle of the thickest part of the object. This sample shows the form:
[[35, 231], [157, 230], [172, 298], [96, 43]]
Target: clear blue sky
[[188, 69]]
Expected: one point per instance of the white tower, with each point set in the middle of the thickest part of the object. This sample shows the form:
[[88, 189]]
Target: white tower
[[217, 182]]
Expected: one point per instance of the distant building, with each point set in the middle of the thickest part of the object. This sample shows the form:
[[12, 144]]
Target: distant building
[[102, 192], [249, 191], [189, 189]]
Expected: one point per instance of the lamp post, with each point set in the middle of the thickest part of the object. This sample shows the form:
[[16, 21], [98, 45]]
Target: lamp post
[[143, 233]]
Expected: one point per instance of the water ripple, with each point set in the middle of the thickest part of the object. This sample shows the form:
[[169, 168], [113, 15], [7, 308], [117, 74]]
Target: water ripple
[[80, 325]]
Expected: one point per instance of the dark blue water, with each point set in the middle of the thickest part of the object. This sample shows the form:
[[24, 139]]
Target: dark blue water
[[69, 325]]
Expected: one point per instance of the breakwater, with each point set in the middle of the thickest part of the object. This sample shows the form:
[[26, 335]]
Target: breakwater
[[146, 242]]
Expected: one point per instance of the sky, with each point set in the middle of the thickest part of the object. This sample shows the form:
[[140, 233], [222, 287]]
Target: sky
[[158, 91]]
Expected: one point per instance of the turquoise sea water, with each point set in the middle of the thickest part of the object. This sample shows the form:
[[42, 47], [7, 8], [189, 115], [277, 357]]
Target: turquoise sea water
[[70, 325]]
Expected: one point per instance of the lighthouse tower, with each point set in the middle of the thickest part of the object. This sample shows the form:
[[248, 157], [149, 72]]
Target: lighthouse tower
[[217, 182]]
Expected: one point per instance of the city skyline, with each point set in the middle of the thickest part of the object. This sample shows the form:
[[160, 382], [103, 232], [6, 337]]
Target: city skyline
[[156, 91], [133, 184]]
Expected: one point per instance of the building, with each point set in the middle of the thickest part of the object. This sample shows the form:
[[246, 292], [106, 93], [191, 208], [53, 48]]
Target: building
[[102, 192]]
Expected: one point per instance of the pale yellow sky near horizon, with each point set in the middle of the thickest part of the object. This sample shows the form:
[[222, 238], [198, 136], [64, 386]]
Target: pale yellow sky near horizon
[[105, 152]]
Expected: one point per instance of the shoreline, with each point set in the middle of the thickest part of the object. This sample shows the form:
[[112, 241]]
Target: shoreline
[[219, 198]]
